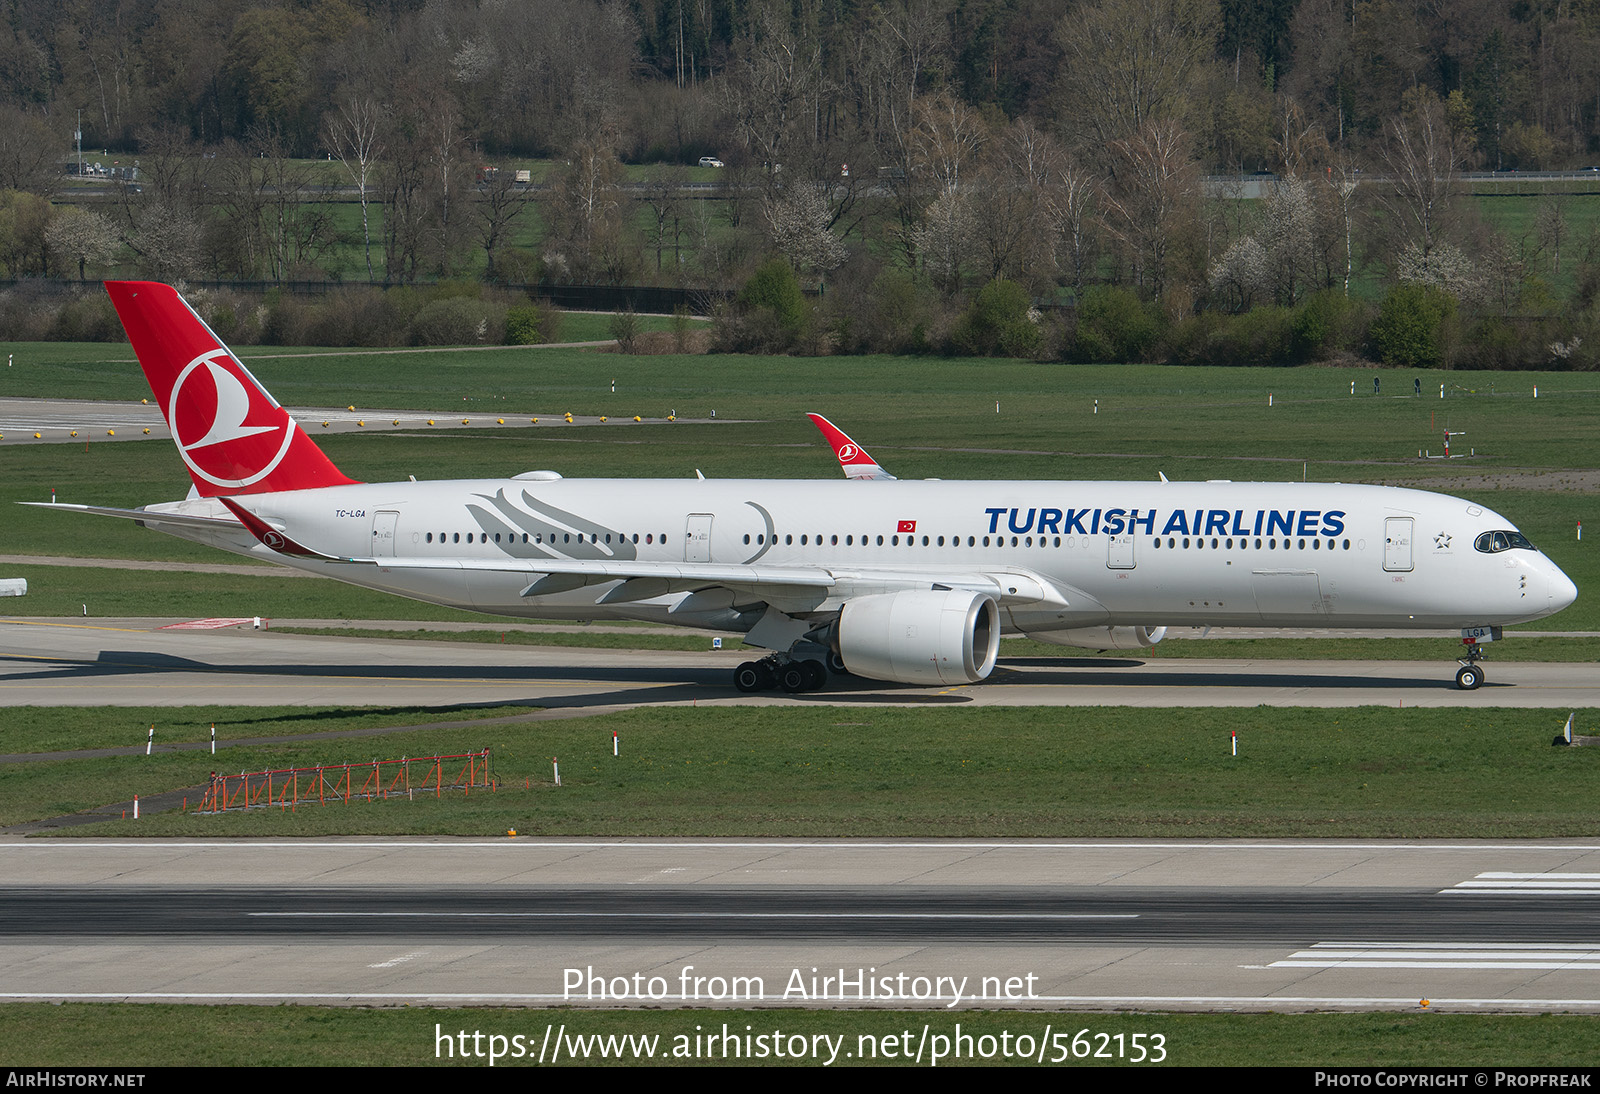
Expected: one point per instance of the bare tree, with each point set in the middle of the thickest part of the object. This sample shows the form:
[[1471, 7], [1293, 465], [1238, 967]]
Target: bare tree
[[586, 213], [501, 201], [663, 193], [944, 241], [1130, 63], [353, 131], [31, 154], [1070, 204], [1420, 161], [1154, 199]]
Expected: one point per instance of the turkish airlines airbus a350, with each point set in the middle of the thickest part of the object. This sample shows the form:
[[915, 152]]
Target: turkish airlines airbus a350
[[888, 579]]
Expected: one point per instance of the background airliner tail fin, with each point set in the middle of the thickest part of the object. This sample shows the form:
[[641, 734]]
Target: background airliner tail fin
[[231, 433], [853, 459]]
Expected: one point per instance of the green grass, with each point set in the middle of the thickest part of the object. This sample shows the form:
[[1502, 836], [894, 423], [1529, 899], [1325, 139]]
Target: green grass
[[50, 788], [138, 1035], [926, 771]]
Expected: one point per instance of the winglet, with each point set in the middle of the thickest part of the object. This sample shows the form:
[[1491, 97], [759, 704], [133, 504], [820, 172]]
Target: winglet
[[273, 538], [234, 436], [853, 459]]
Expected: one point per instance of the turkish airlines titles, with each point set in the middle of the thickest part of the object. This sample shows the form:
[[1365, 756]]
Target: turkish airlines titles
[[1181, 522]]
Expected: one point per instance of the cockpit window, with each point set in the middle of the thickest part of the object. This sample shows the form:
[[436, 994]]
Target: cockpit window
[[1492, 542]]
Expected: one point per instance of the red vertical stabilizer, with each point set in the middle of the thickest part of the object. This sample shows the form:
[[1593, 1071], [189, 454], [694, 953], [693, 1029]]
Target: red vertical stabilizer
[[233, 435]]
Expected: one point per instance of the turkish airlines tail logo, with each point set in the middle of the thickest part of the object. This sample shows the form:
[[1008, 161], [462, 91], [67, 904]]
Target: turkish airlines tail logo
[[234, 436]]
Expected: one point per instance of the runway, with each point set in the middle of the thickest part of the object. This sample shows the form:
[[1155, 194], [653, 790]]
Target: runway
[[1278, 925], [134, 662]]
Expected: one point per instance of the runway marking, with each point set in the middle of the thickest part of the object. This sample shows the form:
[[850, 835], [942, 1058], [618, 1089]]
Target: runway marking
[[75, 627], [214, 624], [1507, 882], [401, 960], [1441, 955]]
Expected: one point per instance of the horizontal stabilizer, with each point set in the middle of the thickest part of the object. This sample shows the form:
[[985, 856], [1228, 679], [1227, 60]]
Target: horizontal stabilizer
[[153, 519]]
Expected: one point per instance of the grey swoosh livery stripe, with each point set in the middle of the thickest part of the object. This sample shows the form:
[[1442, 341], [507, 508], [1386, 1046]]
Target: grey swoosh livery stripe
[[767, 542], [502, 514]]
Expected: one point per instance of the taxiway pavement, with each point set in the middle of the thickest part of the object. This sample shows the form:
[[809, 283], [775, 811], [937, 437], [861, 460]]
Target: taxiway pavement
[[135, 662]]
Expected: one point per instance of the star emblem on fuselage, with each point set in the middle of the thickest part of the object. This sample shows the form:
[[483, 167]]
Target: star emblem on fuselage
[[1441, 541]]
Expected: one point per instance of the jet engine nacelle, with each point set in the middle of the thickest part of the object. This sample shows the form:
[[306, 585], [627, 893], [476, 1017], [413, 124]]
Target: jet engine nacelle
[[1104, 638], [921, 637]]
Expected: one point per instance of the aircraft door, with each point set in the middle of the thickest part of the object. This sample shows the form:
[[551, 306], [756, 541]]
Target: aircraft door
[[697, 538], [383, 526], [1397, 538], [1119, 552]]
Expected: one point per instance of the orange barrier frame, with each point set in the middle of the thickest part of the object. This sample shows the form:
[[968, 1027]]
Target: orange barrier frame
[[288, 787]]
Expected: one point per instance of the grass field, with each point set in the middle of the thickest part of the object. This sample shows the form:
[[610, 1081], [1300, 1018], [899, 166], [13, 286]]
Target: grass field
[[1368, 772]]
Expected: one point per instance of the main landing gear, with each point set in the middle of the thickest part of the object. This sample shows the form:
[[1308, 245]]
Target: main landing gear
[[1470, 674], [780, 671]]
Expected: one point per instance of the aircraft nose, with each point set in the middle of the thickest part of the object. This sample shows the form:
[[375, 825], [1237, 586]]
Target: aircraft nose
[[1562, 590]]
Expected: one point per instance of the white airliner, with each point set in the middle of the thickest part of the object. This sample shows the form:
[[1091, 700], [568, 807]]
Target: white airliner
[[902, 581]]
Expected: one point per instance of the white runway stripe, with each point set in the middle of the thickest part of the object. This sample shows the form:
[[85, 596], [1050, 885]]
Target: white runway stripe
[[1442, 955], [1529, 884]]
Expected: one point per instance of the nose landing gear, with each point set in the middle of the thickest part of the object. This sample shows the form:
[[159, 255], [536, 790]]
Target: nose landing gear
[[1470, 674]]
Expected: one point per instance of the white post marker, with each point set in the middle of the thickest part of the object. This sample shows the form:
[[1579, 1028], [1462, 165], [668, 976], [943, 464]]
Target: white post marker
[[213, 738], [1352, 387], [150, 740], [1567, 733], [555, 766], [1535, 391], [613, 742], [136, 807], [1580, 531], [1269, 398], [256, 623], [1235, 742]]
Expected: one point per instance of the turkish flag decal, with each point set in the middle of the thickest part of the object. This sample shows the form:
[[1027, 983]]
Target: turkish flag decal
[[907, 526]]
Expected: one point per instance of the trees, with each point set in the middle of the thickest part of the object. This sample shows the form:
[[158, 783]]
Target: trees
[[1420, 158], [1131, 64], [353, 130], [82, 236]]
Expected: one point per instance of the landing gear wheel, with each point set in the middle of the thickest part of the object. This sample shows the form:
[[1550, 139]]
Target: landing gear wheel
[[752, 676], [1468, 677], [816, 675], [835, 664], [794, 678]]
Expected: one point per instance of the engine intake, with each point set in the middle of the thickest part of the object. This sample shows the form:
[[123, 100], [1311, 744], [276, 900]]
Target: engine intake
[[928, 637]]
